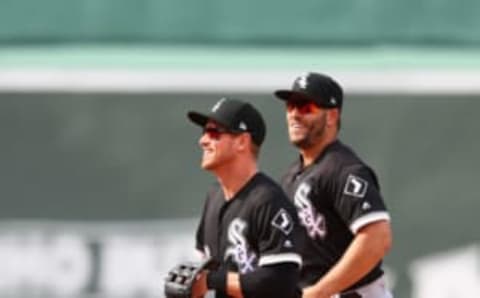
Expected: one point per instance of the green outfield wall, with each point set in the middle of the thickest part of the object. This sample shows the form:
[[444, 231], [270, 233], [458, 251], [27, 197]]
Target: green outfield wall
[[248, 22]]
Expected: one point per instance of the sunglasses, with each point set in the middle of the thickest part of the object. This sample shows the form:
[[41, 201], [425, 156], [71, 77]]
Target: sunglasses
[[302, 106], [214, 133]]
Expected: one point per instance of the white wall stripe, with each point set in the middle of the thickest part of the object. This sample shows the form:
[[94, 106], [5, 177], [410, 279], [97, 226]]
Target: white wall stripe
[[369, 81]]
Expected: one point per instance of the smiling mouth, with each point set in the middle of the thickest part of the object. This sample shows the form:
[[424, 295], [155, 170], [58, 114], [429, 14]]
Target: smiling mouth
[[208, 151], [297, 126]]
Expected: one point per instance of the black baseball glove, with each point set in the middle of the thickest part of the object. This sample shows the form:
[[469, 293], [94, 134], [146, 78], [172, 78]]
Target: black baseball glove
[[180, 280]]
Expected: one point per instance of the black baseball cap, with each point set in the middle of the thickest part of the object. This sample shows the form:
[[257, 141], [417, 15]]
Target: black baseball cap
[[236, 116], [320, 88]]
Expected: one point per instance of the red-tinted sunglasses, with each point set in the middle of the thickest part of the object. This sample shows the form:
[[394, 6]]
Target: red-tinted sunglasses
[[303, 106], [215, 133]]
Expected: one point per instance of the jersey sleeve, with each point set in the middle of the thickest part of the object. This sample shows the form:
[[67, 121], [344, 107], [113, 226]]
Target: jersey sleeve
[[275, 226], [199, 237], [200, 241], [358, 200]]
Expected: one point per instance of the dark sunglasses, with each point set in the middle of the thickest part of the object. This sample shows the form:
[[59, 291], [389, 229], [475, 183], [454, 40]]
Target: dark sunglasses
[[302, 106]]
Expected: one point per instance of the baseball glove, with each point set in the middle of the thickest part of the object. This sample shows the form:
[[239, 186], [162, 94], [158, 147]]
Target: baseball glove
[[180, 280]]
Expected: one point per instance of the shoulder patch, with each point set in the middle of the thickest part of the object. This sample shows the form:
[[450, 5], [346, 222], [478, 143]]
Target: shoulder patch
[[355, 186], [283, 221]]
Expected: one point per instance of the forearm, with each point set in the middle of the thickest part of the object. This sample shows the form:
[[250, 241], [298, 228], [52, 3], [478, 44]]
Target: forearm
[[234, 288], [364, 253], [269, 281]]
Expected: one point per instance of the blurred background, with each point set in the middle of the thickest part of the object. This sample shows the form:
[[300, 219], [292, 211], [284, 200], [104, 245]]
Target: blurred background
[[100, 183]]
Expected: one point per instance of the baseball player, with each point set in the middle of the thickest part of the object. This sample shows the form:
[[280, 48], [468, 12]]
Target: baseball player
[[344, 220], [248, 224]]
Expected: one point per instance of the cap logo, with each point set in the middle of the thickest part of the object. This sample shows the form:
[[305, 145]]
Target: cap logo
[[333, 101], [242, 126], [302, 82], [217, 105]]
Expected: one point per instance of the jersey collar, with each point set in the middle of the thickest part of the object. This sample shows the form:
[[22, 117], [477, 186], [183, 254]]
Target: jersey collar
[[320, 156]]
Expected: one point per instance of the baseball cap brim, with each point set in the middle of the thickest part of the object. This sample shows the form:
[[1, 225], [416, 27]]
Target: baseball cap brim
[[202, 119], [288, 94], [198, 118]]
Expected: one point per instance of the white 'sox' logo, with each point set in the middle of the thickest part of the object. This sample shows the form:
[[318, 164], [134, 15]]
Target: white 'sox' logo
[[313, 222], [238, 249]]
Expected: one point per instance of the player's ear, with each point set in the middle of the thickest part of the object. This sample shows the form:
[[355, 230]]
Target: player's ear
[[242, 141], [332, 117]]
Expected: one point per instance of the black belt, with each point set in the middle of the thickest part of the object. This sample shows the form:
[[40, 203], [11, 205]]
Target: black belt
[[350, 295]]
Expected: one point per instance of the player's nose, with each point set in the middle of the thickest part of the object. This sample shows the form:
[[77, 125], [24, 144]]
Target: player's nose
[[293, 114], [203, 140]]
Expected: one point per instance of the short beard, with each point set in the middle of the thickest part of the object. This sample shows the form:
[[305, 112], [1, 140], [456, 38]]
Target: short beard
[[313, 136], [302, 144]]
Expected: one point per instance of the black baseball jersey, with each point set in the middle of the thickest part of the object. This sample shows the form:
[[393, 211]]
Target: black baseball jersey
[[257, 227], [335, 196]]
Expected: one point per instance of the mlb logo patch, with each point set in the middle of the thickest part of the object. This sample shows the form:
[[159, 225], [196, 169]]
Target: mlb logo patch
[[355, 186]]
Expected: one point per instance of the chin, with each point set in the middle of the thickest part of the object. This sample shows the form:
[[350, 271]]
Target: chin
[[208, 165], [205, 165], [297, 139], [300, 143]]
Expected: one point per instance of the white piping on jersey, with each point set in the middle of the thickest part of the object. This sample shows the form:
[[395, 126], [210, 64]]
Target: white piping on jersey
[[367, 219], [280, 258]]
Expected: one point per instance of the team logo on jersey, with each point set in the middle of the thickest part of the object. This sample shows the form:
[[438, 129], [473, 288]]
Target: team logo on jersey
[[238, 248], [355, 186], [313, 222], [283, 221]]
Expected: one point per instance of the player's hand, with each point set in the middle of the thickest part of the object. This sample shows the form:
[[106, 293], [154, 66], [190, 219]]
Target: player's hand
[[199, 287], [187, 280]]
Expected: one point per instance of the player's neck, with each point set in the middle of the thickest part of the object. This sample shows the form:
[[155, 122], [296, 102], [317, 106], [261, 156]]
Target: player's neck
[[233, 178], [310, 154]]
